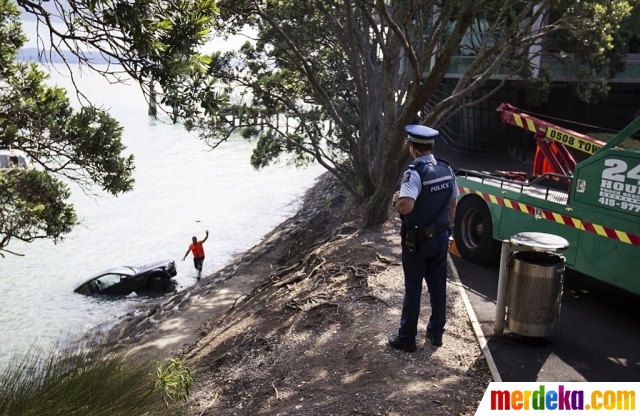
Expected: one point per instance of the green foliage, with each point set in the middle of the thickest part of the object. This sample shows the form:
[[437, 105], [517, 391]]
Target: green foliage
[[591, 59], [537, 88], [630, 30], [88, 380], [173, 381], [84, 147], [630, 143], [33, 205], [154, 41], [11, 34], [336, 81]]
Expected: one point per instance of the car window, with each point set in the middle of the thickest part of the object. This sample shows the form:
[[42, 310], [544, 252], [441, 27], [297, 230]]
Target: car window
[[86, 289], [11, 161], [107, 280]]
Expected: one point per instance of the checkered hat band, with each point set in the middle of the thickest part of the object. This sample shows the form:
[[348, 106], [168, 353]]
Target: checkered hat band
[[420, 141]]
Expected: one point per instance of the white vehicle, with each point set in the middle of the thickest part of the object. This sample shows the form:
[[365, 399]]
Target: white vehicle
[[10, 158]]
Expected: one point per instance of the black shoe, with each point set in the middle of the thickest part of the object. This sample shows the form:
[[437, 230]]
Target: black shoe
[[435, 341], [394, 342]]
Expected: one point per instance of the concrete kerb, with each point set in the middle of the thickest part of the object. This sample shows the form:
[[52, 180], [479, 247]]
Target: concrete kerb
[[477, 330]]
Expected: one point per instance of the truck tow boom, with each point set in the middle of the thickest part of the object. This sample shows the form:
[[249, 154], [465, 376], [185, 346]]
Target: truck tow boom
[[552, 141]]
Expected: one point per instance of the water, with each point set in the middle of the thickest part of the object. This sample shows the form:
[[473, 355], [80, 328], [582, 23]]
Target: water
[[182, 189]]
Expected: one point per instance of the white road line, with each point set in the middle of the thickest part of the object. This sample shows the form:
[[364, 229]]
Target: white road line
[[477, 330]]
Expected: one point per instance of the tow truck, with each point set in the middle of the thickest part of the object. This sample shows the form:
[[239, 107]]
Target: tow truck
[[594, 204]]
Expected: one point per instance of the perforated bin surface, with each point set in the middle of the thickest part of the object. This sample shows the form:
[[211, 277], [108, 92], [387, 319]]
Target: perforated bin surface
[[535, 292]]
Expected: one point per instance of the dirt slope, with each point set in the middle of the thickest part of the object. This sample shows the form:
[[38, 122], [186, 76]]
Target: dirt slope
[[299, 325]]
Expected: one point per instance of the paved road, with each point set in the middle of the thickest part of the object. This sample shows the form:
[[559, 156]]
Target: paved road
[[597, 338]]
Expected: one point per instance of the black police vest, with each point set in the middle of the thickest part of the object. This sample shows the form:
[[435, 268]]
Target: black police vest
[[433, 203]]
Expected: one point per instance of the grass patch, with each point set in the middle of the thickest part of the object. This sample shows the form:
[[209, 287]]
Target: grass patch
[[90, 381], [628, 143]]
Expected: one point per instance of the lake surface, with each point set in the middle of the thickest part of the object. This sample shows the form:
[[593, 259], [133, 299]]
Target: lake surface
[[182, 189]]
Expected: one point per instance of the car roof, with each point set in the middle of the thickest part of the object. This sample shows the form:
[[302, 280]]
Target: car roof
[[12, 152], [127, 270], [117, 270], [5, 151]]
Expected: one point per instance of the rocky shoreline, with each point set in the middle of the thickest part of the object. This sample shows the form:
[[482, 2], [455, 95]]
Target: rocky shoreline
[[281, 242], [298, 325]]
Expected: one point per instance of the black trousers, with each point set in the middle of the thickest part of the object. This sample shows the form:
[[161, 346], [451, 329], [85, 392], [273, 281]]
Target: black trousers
[[428, 263], [197, 263]]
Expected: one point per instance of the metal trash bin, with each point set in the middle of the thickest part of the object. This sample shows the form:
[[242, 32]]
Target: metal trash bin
[[535, 292], [530, 284]]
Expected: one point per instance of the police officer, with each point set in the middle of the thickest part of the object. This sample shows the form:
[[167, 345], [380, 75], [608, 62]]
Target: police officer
[[426, 203]]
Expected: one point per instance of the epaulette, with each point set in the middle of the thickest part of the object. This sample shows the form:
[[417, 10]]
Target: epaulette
[[413, 166]]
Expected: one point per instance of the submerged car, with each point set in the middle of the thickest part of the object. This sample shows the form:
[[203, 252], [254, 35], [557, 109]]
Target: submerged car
[[152, 277]]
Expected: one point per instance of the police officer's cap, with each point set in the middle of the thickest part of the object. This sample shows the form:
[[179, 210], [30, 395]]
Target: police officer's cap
[[419, 134]]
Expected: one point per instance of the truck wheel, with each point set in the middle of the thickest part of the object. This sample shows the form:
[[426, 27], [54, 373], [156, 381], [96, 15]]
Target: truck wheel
[[473, 232]]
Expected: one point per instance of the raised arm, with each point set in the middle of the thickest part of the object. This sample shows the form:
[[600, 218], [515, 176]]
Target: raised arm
[[206, 236]]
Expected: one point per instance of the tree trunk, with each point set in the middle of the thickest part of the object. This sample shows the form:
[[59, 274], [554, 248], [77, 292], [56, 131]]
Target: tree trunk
[[377, 209]]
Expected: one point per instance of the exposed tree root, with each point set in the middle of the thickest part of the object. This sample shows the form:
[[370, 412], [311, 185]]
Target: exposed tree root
[[372, 297]]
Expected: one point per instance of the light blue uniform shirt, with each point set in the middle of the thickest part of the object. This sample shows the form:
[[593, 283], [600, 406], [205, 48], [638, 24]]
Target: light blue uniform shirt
[[412, 184]]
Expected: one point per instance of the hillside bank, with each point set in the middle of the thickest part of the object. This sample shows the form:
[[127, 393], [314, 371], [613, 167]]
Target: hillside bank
[[298, 325]]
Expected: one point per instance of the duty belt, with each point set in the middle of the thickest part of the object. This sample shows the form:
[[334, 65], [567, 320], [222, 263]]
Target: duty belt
[[431, 230], [427, 229], [409, 237]]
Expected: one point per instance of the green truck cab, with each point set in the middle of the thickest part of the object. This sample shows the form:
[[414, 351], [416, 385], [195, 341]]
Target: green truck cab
[[596, 208]]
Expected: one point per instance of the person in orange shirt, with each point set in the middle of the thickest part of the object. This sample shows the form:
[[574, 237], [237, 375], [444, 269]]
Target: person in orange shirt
[[198, 252]]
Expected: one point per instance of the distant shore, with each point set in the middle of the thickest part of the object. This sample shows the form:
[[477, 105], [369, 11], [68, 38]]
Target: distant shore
[[33, 55]]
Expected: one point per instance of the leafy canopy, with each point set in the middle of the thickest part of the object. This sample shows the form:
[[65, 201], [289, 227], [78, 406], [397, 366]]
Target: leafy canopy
[[37, 119], [336, 81], [154, 42]]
